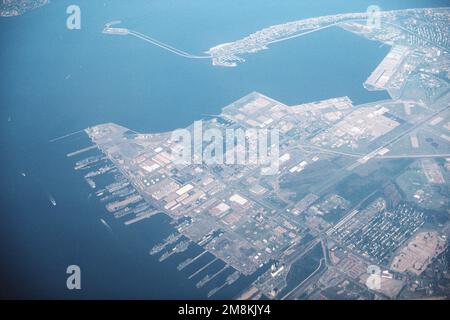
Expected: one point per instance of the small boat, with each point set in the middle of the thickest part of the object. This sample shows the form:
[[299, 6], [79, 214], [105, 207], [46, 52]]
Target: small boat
[[52, 200], [106, 225]]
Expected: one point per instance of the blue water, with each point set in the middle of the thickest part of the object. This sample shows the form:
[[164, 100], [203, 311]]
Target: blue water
[[127, 81]]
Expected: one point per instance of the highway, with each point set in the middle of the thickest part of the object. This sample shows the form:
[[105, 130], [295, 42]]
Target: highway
[[358, 155], [303, 33], [294, 291], [122, 31], [165, 46]]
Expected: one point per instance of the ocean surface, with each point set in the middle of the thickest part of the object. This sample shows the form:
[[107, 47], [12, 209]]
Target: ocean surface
[[57, 81]]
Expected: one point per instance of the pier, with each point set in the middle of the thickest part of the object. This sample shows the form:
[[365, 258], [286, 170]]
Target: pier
[[71, 154], [65, 136], [189, 261], [208, 278], [203, 268], [141, 216]]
